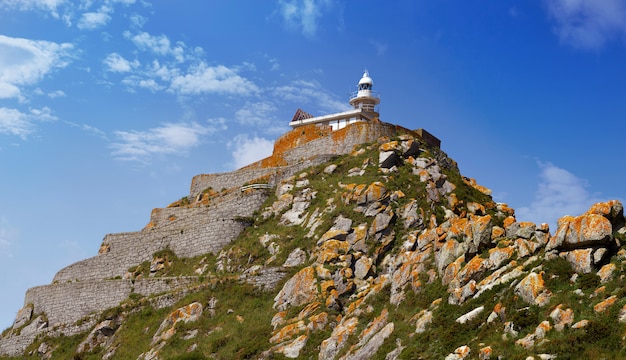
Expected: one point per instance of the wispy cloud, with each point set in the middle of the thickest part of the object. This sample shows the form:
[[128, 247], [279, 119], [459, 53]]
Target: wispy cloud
[[311, 92], [116, 63], [17, 123], [202, 78], [171, 138], [48, 6], [94, 20], [559, 193], [246, 149], [157, 44], [177, 69], [303, 14], [89, 129], [258, 113], [25, 62], [588, 24]]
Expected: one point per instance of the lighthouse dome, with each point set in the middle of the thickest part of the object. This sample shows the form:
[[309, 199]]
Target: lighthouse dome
[[366, 79]]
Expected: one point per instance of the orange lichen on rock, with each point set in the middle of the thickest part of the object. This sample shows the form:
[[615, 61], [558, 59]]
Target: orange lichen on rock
[[472, 182], [603, 305]]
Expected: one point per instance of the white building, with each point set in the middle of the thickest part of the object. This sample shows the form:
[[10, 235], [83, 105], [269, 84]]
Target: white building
[[364, 101]]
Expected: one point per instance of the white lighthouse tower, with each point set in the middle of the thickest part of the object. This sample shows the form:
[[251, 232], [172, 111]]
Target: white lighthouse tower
[[364, 98]]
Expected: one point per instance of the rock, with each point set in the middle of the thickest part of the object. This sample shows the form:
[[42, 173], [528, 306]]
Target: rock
[[300, 289], [362, 267], [100, 336], [524, 230], [388, 159], [481, 233], [581, 231], [395, 353], [580, 259], [470, 315], [423, 321], [410, 217], [561, 317], [529, 340], [459, 353], [23, 316], [330, 169], [296, 258], [613, 210], [532, 289], [372, 345], [485, 353], [37, 324], [291, 349], [606, 272], [191, 312], [376, 191], [499, 255], [337, 340], [288, 332], [605, 304], [581, 324], [381, 222]]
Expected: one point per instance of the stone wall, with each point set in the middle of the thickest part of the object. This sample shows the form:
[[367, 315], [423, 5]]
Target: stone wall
[[239, 177], [191, 232], [341, 141], [88, 297]]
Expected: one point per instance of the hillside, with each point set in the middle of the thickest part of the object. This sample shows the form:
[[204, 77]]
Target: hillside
[[381, 250]]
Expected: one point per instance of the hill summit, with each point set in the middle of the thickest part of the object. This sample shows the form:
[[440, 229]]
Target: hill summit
[[362, 242]]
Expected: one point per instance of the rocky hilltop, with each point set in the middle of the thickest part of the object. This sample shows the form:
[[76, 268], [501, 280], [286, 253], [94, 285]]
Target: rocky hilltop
[[360, 243]]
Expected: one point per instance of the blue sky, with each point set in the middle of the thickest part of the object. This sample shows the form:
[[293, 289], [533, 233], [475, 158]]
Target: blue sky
[[109, 108]]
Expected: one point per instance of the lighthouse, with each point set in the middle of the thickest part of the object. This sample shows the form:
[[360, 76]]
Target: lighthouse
[[363, 101], [365, 98]]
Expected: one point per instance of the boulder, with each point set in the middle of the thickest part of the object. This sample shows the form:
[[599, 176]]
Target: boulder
[[191, 312], [299, 290], [332, 346], [613, 210], [23, 316], [532, 289], [296, 258], [588, 230], [100, 336]]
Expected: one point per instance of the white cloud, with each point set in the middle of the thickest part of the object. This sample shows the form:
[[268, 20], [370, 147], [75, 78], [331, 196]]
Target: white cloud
[[93, 20], [588, 24], [302, 14], [258, 113], [14, 122], [159, 45], [559, 193], [116, 63], [50, 6], [56, 94], [247, 150], [167, 139], [306, 92], [26, 62], [202, 78], [17, 123], [88, 129]]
